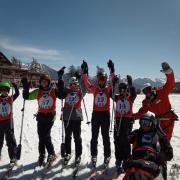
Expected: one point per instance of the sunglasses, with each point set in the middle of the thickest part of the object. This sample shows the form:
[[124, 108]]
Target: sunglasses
[[145, 123]]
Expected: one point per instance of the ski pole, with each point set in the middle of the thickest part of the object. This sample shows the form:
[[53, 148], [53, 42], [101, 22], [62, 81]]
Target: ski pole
[[19, 147], [119, 125], [62, 144], [12, 123], [88, 122], [70, 115], [113, 96]]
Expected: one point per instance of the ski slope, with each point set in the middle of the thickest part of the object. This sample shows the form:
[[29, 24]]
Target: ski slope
[[30, 142]]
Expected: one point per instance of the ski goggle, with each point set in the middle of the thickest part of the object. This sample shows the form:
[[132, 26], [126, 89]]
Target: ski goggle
[[145, 122], [147, 90], [3, 89]]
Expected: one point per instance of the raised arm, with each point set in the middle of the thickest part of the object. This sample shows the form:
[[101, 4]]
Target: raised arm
[[132, 89], [170, 79], [88, 85], [114, 78], [61, 92], [26, 94], [16, 94]]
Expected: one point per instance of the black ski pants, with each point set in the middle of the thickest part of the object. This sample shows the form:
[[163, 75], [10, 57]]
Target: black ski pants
[[74, 127], [8, 133], [122, 146], [45, 122], [100, 119]]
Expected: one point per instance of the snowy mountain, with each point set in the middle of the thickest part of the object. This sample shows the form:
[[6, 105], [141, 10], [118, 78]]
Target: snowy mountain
[[53, 73], [139, 82]]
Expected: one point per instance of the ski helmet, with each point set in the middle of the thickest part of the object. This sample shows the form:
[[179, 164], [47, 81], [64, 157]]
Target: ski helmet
[[5, 84], [73, 80], [146, 88], [147, 120], [45, 77]]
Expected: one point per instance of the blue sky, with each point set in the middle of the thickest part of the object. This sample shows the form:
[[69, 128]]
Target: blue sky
[[136, 34]]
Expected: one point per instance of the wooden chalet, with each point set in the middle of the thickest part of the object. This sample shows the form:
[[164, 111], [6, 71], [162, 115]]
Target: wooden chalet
[[11, 72]]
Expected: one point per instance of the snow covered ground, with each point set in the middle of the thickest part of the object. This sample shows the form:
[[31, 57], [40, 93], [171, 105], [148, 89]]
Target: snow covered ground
[[30, 142]]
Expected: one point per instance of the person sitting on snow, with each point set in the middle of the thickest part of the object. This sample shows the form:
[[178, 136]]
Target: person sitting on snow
[[6, 119], [150, 148]]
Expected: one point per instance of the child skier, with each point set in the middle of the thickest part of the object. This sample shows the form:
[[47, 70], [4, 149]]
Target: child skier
[[101, 112], [46, 97], [6, 119], [123, 121], [151, 148], [72, 117]]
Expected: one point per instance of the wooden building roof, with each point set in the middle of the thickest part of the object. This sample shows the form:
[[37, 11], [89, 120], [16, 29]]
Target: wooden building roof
[[4, 59]]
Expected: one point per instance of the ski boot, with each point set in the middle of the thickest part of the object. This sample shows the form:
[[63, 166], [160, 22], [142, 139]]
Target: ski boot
[[77, 160], [51, 158], [93, 161], [13, 162], [66, 159], [41, 161], [119, 168], [106, 161]]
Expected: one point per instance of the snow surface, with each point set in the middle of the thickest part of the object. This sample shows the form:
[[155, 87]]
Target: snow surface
[[30, 142]]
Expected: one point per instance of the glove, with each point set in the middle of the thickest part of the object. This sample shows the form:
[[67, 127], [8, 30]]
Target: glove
[[165, 67], [115, 80], [129, 80], [84, 67], [25, 93], [25, 84], [14, 85], [78, 75], [61, 72], [111, 66]]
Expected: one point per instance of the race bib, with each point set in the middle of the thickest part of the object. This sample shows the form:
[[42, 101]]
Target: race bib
[[146, 139], [46, 102], [122, 107], [72, 98], [100, 99], [5, 109]]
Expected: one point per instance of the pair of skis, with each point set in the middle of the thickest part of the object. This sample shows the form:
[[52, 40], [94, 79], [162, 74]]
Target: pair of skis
[[94, 175], [46, 167], [9, 170], [76, 168]]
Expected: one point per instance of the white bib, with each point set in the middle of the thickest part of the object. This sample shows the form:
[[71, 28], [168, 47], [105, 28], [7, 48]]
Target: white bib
[[5, 109], [72, 98], [100, 99], [122, 107], [46, 102]]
